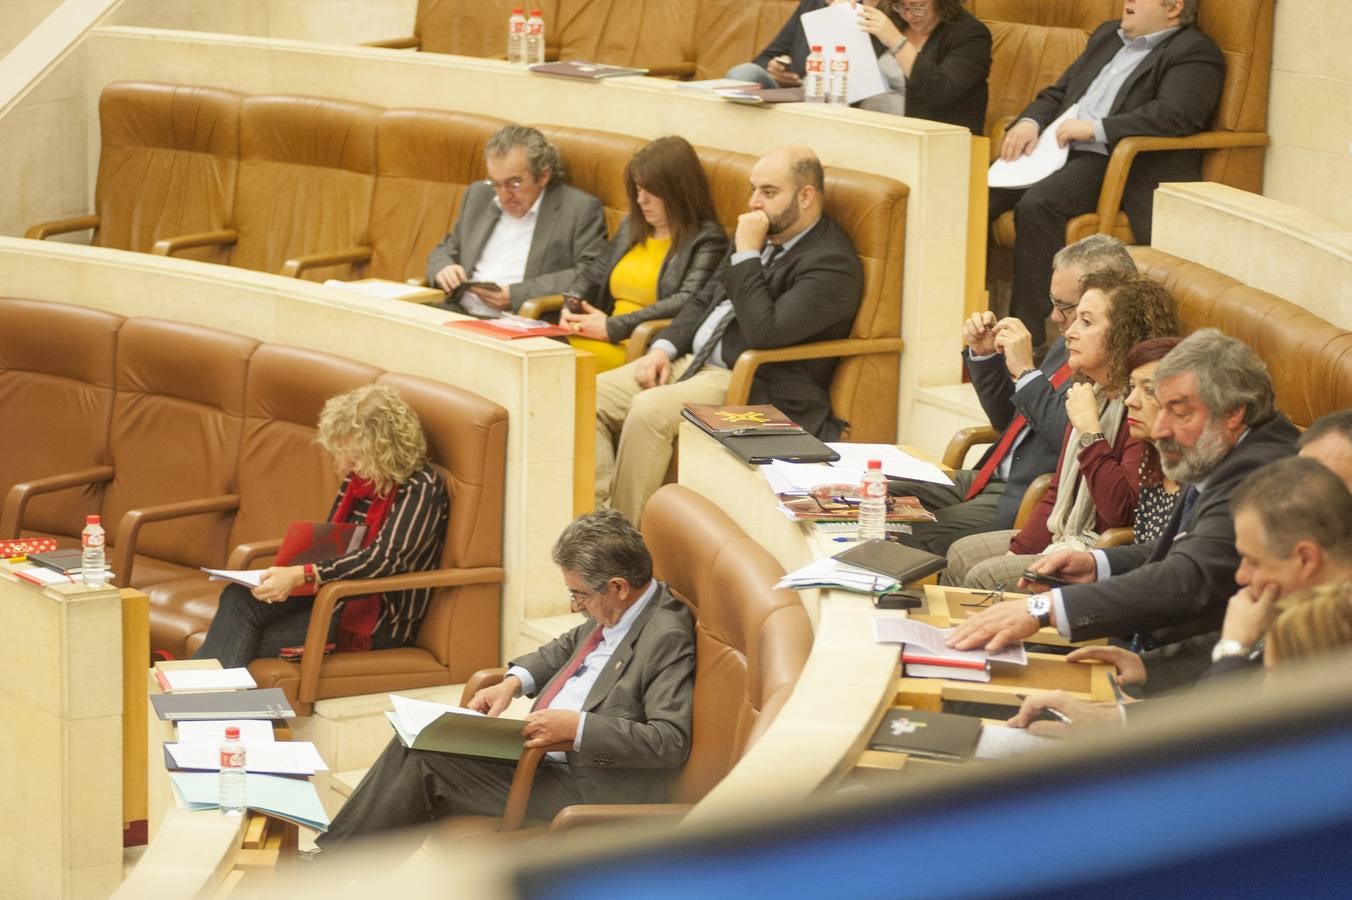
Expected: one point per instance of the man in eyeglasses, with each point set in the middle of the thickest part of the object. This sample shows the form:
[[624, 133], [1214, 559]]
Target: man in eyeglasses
[[1025, 401], [521, 233]]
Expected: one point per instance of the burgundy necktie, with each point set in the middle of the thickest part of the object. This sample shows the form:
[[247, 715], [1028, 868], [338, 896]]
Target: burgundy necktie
[[591, 643], [983, 476]]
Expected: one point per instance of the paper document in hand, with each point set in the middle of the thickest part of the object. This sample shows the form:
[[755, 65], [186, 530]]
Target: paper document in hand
[[887, 630], [1046, 158], [277, 757], [1001, 741], [455, 730], [251, 731], [839, 26], [250, 578]]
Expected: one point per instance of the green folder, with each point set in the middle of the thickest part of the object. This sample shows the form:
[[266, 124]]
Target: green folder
[[293, 799], [484, 736]]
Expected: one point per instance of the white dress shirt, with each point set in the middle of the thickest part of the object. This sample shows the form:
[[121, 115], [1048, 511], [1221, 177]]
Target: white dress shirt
[[503, 260]]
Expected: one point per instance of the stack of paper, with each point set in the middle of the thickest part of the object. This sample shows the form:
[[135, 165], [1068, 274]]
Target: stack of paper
[[173, 680], [926, 653], [277, 757], [251, 731], [286, 798], [1001, 741], [832, 573]]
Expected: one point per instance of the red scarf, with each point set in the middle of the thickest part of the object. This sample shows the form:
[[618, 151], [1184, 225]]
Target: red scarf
[[357, 619]]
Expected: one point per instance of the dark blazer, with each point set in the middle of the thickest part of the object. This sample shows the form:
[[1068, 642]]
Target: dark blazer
[[948, 80], [811, 293], [683, 272], [1045, 409], [1182, 580], [639, 709], [571, 231], [1173, 93]]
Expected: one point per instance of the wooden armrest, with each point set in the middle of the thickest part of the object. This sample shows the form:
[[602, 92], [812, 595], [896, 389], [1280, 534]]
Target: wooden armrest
[[170, 246], [44, 230], [16, 501], [587, 814], [536, 307], [963, 440], [480, 680], [739, 388], [129, 529], [296, 265], [672, 70], [412, 42], [1124, 154], [328, 595], [1036, 488], [243, 556], [518, 795], [1115, 537], [642, 336]]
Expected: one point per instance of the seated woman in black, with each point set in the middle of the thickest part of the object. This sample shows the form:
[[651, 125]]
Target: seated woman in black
[[377, 444], [936, 60]]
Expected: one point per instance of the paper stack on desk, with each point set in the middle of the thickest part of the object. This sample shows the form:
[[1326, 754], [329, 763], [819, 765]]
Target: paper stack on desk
[[832, 573], [926, 654], [292, 799]]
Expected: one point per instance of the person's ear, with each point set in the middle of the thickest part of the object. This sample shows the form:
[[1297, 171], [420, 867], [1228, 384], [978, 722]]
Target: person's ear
[[1308, 556], [545, 174]]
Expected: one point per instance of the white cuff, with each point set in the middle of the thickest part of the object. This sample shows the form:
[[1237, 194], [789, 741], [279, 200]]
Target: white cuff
[[581, 724], [1059, 607], [527, 681], [666, 347], [742, 256], [1105, 569]]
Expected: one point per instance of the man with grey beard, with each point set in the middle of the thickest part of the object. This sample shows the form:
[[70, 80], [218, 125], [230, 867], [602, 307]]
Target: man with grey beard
[[1216, 424]]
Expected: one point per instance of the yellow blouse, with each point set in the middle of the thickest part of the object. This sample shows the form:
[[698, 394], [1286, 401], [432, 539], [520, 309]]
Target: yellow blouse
[[633, 284]]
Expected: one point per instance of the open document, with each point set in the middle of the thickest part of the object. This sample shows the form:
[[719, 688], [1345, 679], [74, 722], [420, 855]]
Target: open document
[[422, 725], [1046, 158], [838, 26], [888, 630]]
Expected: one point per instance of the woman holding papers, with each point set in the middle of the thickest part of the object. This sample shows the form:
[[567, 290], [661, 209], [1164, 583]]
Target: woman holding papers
[[664, 251], [937, 60], [1097, 483], [378, 446]]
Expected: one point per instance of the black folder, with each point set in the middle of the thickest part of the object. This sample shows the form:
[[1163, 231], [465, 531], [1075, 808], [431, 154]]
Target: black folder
[[266, 703], [906, 564], [759, 449], [929, 734]]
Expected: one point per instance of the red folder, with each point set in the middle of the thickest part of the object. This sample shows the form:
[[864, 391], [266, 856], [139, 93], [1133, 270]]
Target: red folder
[[308, 542]]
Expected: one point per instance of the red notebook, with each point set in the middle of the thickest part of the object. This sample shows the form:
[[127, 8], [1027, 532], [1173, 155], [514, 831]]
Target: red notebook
[[307, 542], [509, 328]]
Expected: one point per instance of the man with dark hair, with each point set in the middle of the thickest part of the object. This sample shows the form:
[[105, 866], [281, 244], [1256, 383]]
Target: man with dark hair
[[1329, 441], [1027, 402], [617, 688], [1216, 424], [521, 233], [793, 277], [1154, 73]]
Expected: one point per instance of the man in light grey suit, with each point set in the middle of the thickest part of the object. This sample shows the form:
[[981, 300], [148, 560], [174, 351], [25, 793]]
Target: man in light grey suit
[[521, 233], [617, 688]]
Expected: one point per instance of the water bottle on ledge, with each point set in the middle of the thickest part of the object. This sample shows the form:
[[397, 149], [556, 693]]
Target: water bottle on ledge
[[873, 502], [840, 78], [93, 571], [535, 38], [233, 785], [814, 76], [516, 37]]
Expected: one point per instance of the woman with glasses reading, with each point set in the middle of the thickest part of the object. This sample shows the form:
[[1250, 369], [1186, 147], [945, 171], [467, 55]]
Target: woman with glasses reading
[[661, 255], [1097, 482], [936, 59]]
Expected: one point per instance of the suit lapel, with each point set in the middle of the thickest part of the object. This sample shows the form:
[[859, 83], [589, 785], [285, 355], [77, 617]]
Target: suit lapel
[[619, 660], [1150, 62], [544, 227]]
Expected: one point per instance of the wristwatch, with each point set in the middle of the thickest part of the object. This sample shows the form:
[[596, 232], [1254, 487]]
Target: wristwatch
[[1040, 608], [1228, 647], [1087, 439]]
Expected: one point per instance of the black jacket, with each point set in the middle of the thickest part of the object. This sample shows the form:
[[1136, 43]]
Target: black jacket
[[948, 80]]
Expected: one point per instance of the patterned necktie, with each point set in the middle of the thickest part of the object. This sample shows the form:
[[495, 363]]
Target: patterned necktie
[[1016, 426], [715, 339], [591, 643], [1189, 498]]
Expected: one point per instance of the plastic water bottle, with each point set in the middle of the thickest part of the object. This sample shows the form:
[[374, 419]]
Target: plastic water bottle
[[516, 37], [535, 38], [814, 76], [873, 502], [233, 783], [93, 572], [840, 78]]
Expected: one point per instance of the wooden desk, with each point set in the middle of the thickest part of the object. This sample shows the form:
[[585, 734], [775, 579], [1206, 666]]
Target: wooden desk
[[946, 606], [67, 736], [394, 290]]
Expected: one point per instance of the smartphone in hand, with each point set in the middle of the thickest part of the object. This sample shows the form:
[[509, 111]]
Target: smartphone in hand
[[573, 304], [1043, 578]]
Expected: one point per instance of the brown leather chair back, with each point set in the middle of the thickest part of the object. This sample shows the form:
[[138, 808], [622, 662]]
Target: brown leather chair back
[[1084, 15], [467, 441], [180, 396], [751, 641], [167, 165], [307, 172], [57, 369], [656, 34], [596, 161], [728, 32], [425, 161], [477, 27], [283, 474], [1309, 359], [1243, 31]]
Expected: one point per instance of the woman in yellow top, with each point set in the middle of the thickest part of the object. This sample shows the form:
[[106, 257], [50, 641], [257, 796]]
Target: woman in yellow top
[[661, 255]]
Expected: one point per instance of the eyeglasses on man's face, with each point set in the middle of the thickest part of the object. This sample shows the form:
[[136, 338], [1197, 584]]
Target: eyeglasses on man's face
[[510, 186], [1064, 308]]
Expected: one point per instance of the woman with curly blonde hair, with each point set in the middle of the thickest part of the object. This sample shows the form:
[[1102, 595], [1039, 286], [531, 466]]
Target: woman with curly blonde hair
[[378, 446], [1097, 482]]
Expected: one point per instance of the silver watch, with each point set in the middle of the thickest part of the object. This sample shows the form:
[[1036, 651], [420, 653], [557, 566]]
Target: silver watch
[[1228, 647], [1040, 608]]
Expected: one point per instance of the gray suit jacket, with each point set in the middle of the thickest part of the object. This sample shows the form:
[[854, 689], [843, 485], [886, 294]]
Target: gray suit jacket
[[639, 709], [571, 231]]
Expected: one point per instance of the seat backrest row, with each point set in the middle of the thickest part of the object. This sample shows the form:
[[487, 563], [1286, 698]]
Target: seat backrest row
[[182, 412]]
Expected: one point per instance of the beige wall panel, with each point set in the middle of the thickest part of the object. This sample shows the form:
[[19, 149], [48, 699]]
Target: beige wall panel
[[342, 21]]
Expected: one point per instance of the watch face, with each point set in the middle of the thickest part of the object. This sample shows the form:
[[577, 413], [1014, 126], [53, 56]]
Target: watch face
[[1039, 605]]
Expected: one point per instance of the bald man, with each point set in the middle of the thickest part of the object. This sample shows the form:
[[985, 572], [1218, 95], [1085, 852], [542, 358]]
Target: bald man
[[793, 277]]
